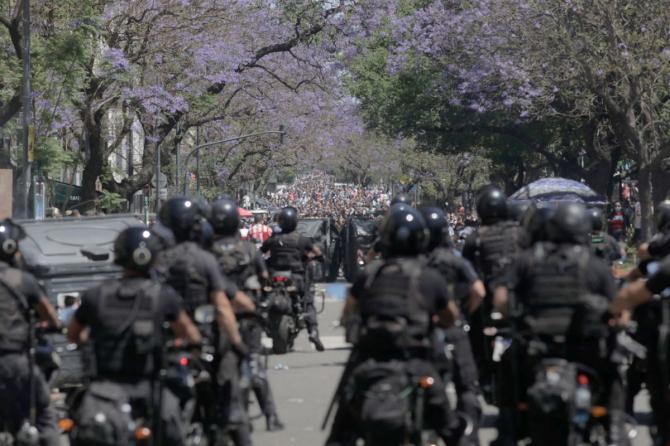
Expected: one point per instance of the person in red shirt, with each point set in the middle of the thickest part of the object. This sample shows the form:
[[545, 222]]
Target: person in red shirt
[[259, 231], [617, 223]]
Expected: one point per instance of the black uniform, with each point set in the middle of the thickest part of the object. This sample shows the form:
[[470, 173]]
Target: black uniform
[[563, 293], [403, 288], [194, 273], [18, 292], [288, 253], [240, 261], [460, 276], [491, 249], [126, 317], [654, 335]]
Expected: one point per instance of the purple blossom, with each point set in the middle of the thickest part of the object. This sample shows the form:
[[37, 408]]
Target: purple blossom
[[116, 59]]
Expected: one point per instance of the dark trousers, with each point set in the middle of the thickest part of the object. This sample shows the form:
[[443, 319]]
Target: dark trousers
[[437, 414], [231, 399], [14, 398], [304, 286], [465, 377], [252, 333], [659, 394]]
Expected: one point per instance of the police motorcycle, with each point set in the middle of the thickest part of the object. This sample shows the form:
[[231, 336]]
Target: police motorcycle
[[191, 376], [103, 415], [562, 405], [285, 309], [27, 434]]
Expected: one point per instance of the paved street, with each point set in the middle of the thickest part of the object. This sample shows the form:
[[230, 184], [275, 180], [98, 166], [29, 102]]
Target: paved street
[[303, 383]]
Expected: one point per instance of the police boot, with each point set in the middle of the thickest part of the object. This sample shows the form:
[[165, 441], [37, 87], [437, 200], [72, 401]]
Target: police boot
[[241, 436], [273, 423], [506, 426], [314, 339]]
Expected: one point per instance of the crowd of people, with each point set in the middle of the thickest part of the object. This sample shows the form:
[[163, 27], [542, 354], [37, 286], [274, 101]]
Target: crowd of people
[[318, 195]]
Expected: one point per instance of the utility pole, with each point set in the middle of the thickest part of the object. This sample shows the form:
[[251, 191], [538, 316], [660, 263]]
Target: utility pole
[[23, 193]]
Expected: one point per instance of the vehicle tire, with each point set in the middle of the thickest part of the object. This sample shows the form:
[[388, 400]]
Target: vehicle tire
[[281, 336]]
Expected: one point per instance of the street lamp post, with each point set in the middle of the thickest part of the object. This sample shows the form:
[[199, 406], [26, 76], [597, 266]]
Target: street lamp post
[[196, 150]]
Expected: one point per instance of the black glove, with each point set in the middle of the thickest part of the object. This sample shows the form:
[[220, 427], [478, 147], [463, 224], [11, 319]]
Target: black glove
[[241, 349]]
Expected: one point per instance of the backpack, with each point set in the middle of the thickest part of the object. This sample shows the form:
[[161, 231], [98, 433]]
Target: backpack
[[14, 309], [393, 313], [181, 273], [234, 258], [102, 416], [550, 403], [560, 302], [379, 394]]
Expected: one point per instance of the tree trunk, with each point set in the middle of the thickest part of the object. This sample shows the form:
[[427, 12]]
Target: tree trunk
[[646, 200], [661, 181], [93, 168]]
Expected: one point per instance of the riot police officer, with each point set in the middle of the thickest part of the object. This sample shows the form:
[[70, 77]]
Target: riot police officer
[[561, 293], [241, 262], [603, 244], [469, 291], [490, 249], [648, 302], [126, 319], [194, 273], [289, 251], [20, 294], [398, 291]]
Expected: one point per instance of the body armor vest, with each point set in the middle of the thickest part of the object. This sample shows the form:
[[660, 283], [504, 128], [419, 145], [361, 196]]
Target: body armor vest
[[559, 302], [286, 255], [446, 262], [13, 315], [393, 311], [182, 274], [236, 259], [497, 245], [125, 342]]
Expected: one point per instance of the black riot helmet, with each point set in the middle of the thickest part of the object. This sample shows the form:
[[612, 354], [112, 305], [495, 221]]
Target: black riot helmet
[[516, 209], [662, 216], [180, 215], [569, 223], [288, 219], [225, 218], [534, 222], [10, 234], [597, 219], [136, 248], [491, 205], [437, 225], [404, 232], [401, 198]]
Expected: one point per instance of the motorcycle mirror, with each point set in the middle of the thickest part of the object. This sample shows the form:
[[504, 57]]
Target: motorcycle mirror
[[204, 314]]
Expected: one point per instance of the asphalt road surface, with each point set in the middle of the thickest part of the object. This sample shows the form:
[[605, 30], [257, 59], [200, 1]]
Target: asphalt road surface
[[303, 383]]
